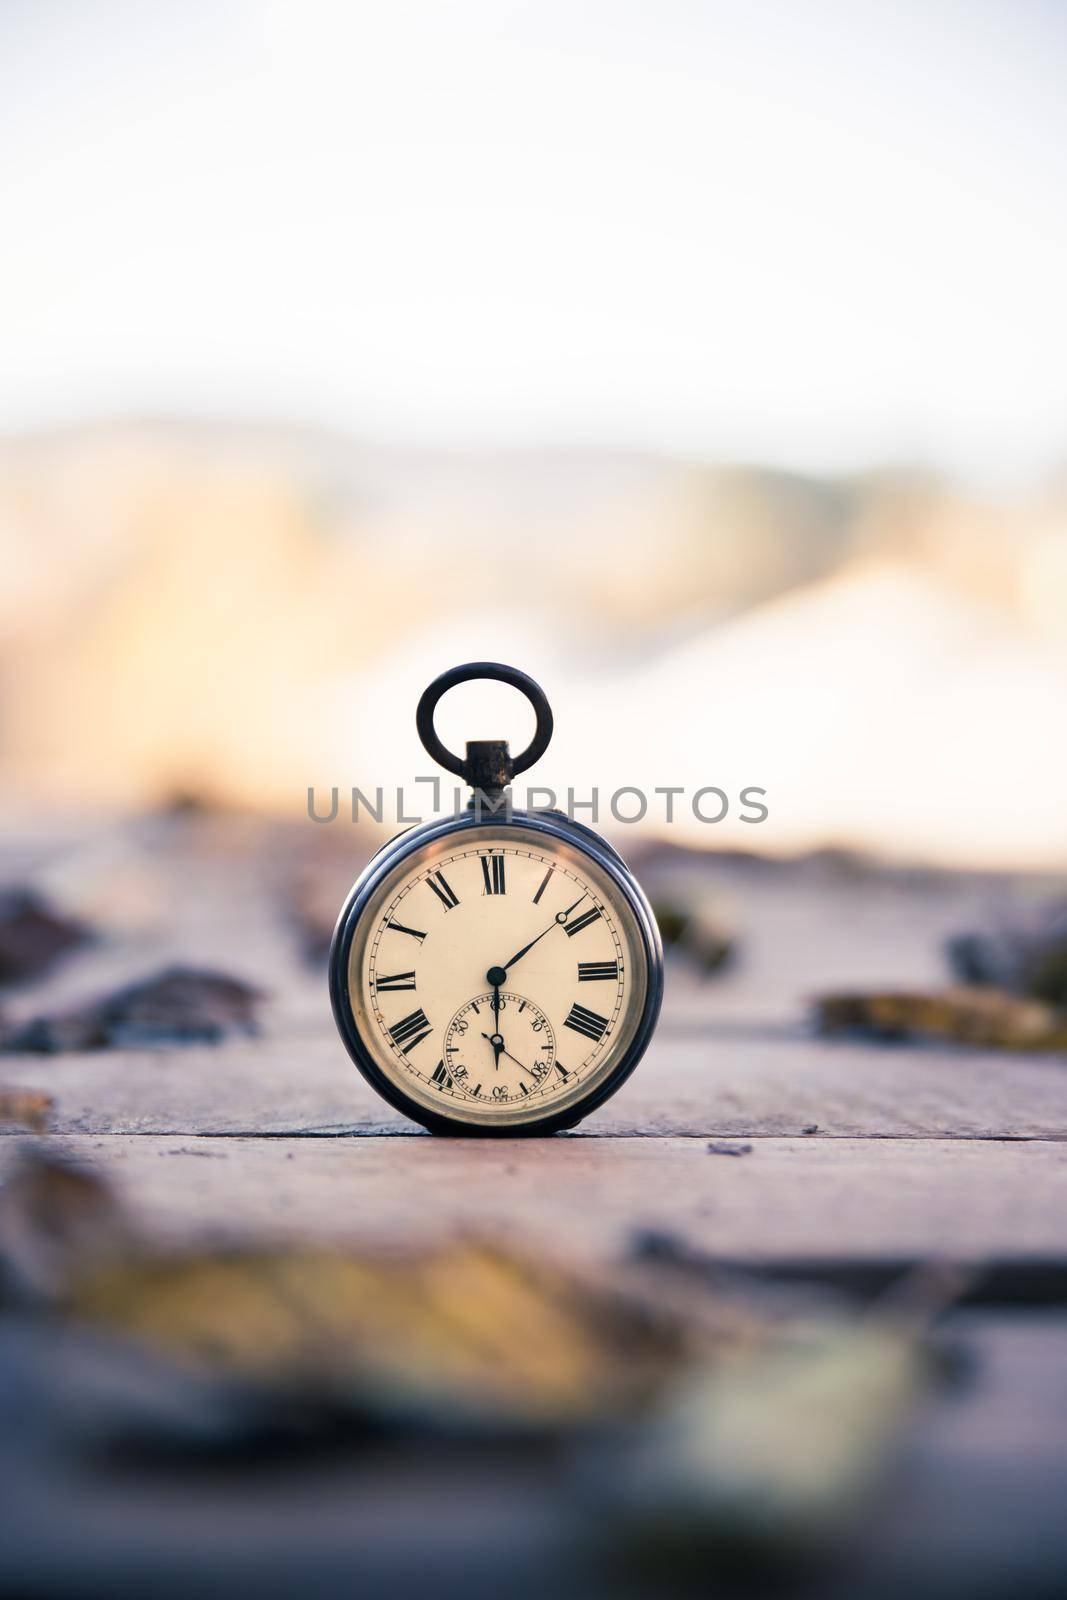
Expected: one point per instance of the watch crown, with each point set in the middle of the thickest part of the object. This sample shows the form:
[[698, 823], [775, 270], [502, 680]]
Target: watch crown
[[488, 766]]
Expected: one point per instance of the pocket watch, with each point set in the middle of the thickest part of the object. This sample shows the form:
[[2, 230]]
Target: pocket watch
[[497, 971]]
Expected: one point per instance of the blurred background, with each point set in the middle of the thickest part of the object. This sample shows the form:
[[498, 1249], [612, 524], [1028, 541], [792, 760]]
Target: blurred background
[[704, 359]]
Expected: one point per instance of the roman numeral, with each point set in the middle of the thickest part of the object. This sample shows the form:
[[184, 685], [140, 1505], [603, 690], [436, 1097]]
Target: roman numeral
[[493, 873], [411, 1030], [564, 1074], [594, 971], [441, 1075], [571, 928], [398, 927], [388, 983], [442, 889], [591, 1023], [544, 885]]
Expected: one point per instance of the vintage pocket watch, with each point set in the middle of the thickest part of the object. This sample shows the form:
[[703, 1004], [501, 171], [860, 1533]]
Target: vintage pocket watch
[[499, 971]]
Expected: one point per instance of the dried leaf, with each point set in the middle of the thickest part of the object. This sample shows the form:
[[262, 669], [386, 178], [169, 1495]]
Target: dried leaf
[[701, 931], [780, 1447], [1024, 953], [32, 936], [315, 887], [180, 1005], [982, 1017], [30, 1108], [312, 905], [464, 1331], [55, 1219]]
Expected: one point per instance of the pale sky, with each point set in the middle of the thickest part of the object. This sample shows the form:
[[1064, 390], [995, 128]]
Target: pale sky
[[820, 234]]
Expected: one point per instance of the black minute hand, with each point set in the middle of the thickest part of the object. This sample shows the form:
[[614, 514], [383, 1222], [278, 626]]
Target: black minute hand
[[560, 917]]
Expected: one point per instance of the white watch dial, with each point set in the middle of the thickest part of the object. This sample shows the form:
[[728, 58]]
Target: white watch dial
[[497, 975]]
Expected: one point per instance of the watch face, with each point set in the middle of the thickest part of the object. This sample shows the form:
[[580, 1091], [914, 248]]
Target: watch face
[[497, 976]]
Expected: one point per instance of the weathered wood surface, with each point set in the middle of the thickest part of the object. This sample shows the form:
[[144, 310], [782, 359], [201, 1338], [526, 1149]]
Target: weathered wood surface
[[716, 1083], [858, 1154], [786, 1197], [733, 1056]]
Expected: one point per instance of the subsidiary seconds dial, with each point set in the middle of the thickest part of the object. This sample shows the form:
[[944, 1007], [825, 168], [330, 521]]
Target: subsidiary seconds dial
[[500, 1045]]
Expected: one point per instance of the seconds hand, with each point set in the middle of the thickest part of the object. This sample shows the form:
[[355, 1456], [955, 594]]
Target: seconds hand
[[501, 1051]]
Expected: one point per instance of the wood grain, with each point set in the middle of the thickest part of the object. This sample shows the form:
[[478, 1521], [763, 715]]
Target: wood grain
[[746, 1084], [789, 1198]]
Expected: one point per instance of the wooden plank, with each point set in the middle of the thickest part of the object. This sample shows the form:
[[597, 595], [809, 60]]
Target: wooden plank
[[752, 1086], [298, 1079], [786, 1199], [731, 1057]]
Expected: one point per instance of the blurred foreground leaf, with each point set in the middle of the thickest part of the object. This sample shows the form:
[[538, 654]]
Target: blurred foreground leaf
[[56, 1218], [775, 1452], [466, 1329], [698, 1415]]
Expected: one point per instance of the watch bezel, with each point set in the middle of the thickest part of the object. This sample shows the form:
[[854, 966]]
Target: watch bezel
[[565, 831]]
